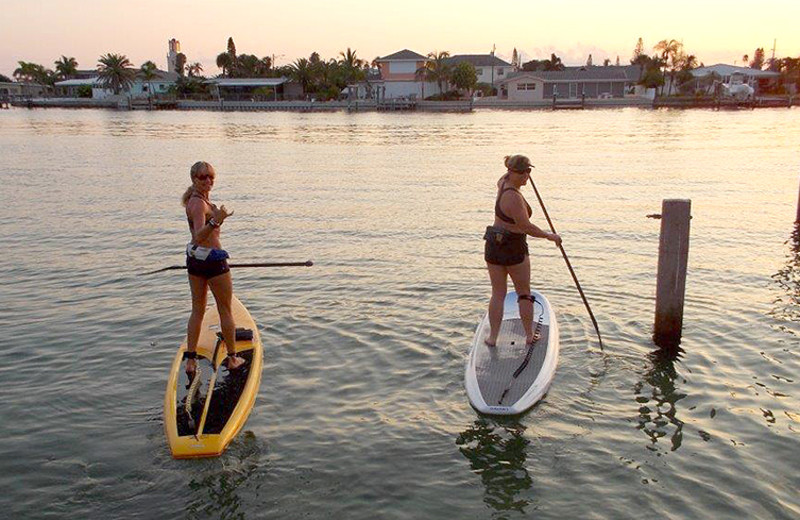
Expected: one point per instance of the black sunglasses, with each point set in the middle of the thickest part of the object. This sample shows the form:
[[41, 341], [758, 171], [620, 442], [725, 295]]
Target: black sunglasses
[[204, 177]]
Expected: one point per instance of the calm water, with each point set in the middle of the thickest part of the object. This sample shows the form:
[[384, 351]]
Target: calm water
[[362, 412]]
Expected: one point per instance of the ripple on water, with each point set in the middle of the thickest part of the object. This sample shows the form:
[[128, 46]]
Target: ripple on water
[[362, 411]]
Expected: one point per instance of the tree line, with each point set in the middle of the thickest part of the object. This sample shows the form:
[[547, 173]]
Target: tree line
[[325, 79]]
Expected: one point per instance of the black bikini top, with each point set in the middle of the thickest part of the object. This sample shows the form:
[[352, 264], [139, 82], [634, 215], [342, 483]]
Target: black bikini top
[[208, 217], [499, 212]]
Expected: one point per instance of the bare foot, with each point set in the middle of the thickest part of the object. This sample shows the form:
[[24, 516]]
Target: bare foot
[[489, 343], [232, 362]]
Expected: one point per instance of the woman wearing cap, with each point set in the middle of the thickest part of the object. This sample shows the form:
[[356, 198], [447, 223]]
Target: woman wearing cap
[[506, 251], [207, 265]]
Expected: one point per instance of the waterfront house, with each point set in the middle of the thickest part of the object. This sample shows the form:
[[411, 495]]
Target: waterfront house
[[255, 89], [731, 74], [75, 86], [399, 78], [15, 90], [489, 68], [141, 88], [571, 83]]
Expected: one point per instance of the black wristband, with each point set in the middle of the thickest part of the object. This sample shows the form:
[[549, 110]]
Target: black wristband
[[189, 355]]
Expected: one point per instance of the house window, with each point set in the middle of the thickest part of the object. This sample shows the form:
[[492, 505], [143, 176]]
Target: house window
[[526, 86], [501, 71], [479, 72]]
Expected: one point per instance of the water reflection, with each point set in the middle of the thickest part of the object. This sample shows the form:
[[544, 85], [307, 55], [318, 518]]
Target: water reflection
[[215, 493], [658, 398], [787, 303], [496, 450]]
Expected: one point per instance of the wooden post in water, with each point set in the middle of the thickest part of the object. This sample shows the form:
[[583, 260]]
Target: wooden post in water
[[797, 220], [673, 254]]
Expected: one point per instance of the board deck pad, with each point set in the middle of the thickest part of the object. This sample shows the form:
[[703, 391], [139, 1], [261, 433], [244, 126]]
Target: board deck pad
[[227, 391], [495, 366]]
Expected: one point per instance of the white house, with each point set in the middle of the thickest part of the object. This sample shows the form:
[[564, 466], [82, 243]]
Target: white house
[[140, 88], [489, 68], [756, 78]]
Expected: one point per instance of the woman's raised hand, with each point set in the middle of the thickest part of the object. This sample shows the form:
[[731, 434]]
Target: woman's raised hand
[[221, 213]]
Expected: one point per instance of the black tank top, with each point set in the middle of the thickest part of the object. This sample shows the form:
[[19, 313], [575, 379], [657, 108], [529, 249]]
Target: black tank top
[[499, 212]]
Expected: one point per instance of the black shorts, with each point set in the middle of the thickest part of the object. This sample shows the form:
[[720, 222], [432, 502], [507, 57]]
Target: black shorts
[[504, 247], [206, 269]]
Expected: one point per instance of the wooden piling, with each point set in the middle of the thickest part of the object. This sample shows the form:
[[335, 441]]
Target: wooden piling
[[673, 254], [797, 219]]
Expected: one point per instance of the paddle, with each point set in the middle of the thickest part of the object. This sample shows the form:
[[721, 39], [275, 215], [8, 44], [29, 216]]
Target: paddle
[[211, 384], [307, 263], [569, 266]]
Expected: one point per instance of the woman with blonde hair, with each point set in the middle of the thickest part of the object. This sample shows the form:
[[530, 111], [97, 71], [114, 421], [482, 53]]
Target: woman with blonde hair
[[207, 265], [506, 250]]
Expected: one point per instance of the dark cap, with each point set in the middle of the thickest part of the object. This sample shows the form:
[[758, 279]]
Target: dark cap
[[518, 163]]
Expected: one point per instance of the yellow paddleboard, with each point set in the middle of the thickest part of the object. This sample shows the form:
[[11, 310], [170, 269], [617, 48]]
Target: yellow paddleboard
[[203, 427]]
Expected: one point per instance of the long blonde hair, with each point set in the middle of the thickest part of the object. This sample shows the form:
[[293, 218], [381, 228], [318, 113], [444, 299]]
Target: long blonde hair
[[196, 169]]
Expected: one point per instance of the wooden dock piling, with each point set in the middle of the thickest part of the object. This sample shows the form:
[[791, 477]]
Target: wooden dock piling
[[673, 254], [797, 219]]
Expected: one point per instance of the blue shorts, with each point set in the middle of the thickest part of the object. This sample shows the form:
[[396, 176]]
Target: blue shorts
[[206, 268]]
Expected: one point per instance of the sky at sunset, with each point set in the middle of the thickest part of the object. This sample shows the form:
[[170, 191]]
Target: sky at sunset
[[715, 31]]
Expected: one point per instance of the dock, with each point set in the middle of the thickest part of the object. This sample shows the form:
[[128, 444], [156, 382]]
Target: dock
[[569, 104], [392, 105]]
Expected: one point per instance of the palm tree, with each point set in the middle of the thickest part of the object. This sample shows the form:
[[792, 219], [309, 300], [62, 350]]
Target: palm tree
[[149, 72], [116, 72], [436, 69], [33, 72], [668, 50], [26, 71], [66, 67], [194, 69], [225, 62], [303, 73], [554, 63], [330, 78], [353, 66]]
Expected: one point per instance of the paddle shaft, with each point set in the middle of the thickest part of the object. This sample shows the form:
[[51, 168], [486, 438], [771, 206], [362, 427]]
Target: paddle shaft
[[210, 391], [307, 263], [569, 265]]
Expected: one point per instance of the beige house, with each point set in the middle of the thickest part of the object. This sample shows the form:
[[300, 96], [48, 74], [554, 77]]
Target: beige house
[[571, 83]]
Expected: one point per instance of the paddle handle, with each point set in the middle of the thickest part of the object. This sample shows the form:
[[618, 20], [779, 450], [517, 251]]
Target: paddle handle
[[307, 263]]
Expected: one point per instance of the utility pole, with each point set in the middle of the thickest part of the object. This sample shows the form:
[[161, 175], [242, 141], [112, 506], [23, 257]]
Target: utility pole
[[492, 65], [772, 61]]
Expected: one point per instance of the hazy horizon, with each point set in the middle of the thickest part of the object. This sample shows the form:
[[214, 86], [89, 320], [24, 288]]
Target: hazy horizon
[[714, 32]]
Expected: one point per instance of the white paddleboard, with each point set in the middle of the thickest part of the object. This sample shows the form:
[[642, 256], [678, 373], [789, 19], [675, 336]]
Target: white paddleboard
[[511, 377]]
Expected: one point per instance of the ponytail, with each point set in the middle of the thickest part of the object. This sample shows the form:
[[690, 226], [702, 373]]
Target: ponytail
[[187, 195]]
